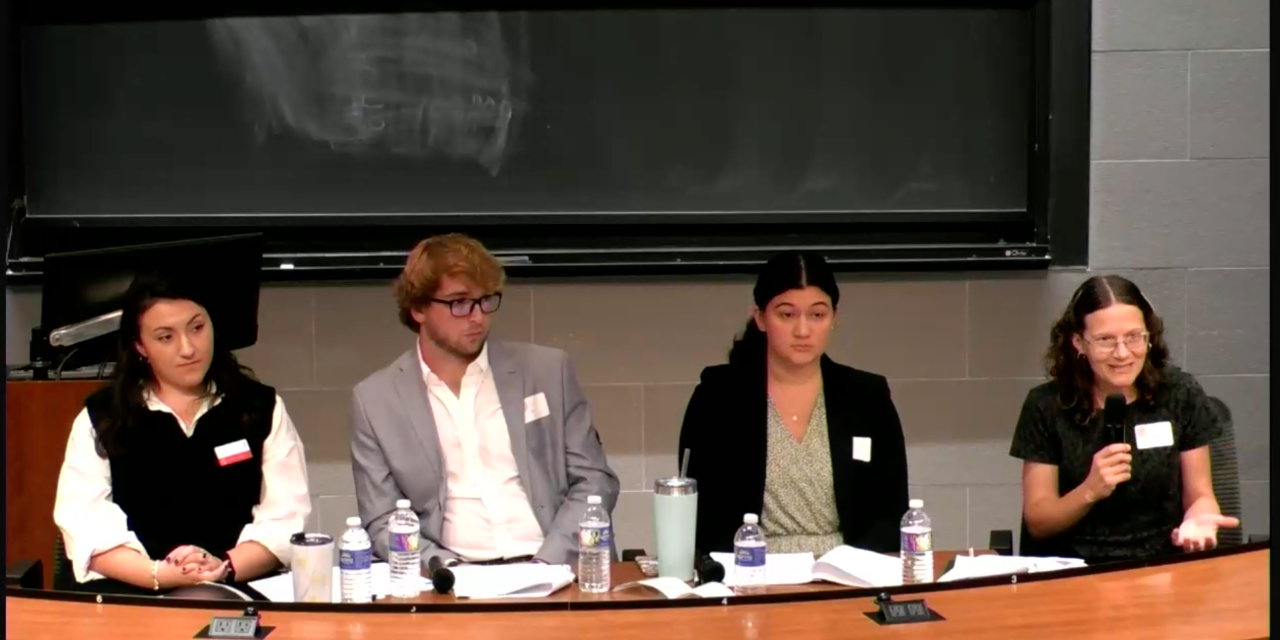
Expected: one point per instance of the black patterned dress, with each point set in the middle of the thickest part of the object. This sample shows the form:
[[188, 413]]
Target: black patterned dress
[[1138, 518]]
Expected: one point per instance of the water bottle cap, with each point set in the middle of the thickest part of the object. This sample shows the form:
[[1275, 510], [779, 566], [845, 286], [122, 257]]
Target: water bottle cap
[[750, 518], [403, 504], [594, 500], [915, 503], [353, 521]]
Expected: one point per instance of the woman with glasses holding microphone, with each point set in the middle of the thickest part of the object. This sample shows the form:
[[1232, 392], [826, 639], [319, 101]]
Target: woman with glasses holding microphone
[[1132, 481]]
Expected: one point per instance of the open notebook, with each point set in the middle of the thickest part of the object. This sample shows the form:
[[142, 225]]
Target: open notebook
[[532, 580], [673, 588], [844, 565]]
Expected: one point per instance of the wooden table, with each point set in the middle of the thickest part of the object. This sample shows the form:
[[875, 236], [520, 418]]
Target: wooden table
[[624, 572], [1221, 595]]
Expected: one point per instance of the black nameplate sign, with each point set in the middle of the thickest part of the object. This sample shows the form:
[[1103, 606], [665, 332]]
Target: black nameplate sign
[[904, 612], [242, 627]]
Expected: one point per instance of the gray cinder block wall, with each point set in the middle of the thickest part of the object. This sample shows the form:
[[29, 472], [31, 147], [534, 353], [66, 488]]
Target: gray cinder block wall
[[1180, 203]]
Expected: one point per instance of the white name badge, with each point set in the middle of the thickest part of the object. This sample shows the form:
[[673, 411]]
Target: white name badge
[[1153, 435], [862, 449], [232, 452], [535, 407]]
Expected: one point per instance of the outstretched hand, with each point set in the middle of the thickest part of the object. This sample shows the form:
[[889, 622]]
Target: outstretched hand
[[1201, 532]]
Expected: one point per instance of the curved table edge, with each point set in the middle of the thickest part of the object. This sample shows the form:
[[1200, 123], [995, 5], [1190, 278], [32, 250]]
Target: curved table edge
[[526, 605]]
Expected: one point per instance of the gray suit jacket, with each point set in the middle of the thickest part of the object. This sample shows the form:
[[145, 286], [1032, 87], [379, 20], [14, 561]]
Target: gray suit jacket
[[395, 448]]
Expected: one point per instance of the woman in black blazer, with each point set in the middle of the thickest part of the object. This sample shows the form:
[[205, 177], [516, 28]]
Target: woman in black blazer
[[813, 447]]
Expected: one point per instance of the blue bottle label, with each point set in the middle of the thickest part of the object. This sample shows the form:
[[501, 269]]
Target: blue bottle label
[[355, 559], [404, 542], [596, 537], [749, 556]]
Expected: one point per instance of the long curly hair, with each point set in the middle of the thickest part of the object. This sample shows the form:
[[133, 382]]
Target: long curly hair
[[1069, 369]]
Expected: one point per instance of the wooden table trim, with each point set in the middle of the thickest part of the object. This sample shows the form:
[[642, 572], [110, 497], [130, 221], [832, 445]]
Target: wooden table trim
[[1222, 598], [831, 592]]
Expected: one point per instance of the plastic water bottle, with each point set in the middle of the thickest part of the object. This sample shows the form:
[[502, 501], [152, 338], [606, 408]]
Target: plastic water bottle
[[405, 560], [749, 552], [595, 548], [355, 561], [917, 545]]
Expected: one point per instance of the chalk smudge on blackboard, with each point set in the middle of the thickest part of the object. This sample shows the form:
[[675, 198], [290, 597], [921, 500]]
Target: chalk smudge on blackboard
[[412, 84]]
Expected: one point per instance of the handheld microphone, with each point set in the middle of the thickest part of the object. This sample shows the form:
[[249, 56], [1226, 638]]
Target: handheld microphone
[[1113, 418], [441, 577], [708, 569]]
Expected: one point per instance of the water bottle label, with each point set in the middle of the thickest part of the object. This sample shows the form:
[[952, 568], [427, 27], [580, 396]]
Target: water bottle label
[[749, 556], [917, 542], [596, 537], [355, 559], [404, 541]]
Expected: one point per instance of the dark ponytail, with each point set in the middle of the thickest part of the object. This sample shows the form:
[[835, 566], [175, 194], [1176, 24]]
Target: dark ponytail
[[749, 346], [784, 272]]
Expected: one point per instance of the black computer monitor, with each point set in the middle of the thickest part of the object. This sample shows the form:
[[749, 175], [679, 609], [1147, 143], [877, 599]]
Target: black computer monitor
[[83, 285]]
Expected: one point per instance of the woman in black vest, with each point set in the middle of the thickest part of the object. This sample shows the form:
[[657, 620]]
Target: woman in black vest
[[812, 447], [184, 469]]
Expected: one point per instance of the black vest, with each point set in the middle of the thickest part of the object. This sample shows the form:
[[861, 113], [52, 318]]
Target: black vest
[[171, 486]]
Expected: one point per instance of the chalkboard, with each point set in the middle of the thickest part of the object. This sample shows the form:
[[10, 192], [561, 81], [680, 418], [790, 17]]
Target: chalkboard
[[541, 113]]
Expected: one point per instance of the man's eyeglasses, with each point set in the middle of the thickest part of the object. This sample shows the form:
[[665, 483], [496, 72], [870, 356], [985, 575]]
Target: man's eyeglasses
[[1137, 342], [462, 307]]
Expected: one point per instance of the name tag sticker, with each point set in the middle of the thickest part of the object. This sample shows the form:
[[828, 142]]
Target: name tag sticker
[[535, 407], [232, 452], [862, 449], [1153, 435]]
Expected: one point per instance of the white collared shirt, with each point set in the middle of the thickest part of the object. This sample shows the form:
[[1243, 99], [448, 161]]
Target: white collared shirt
[[487, 514], [91, 523]]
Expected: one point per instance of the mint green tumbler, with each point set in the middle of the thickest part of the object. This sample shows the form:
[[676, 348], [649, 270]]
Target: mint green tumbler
[[675, 519]]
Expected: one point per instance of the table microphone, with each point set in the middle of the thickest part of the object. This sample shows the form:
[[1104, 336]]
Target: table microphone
[[708, 569], [441, 577], [1113, 418]]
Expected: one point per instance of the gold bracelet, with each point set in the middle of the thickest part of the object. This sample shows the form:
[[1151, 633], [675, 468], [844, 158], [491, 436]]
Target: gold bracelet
[[155, 579]]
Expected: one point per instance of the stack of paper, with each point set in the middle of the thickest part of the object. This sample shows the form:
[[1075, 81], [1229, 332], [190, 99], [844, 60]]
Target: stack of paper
[[779, 568], [279, 588], [674, 588], [968, 567], [532, 580], [844, 565]]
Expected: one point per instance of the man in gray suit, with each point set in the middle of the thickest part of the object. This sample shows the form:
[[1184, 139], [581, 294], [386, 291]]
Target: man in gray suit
[[491, 442]]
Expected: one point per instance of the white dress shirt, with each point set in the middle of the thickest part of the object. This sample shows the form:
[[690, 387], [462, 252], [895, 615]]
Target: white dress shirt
[[91, 523], [486, 512]]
